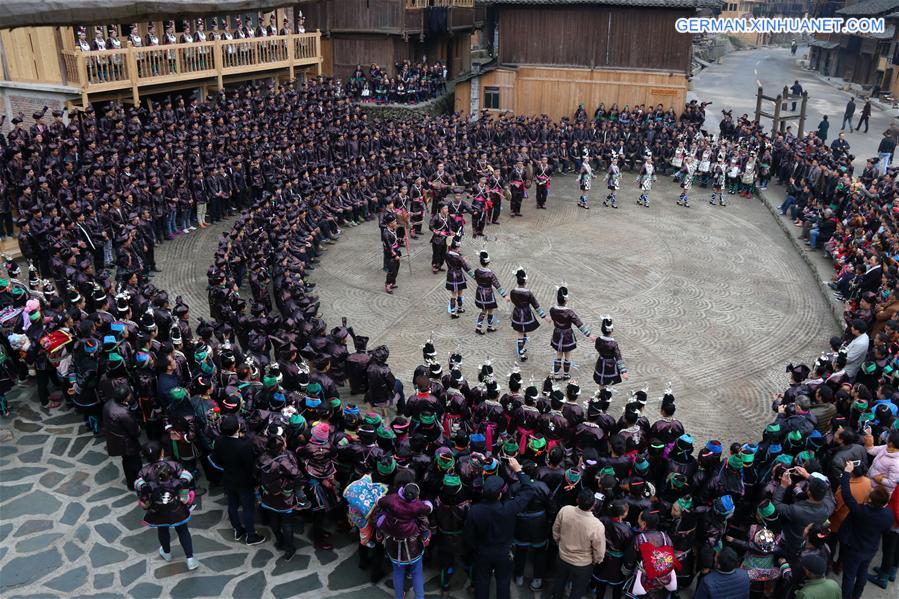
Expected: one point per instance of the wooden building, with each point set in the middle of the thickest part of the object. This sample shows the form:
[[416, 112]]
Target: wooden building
[[552, 55], [867, 59], [43, 64], [385, 32]]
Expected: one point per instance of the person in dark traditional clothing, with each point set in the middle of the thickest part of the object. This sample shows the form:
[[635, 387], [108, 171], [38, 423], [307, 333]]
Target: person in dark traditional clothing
[[563, 341], [163, 487], [543, 178], [441, 229], [645, 179], [518, 181], [456, 269], [613, 182], [523, 320], [392, 252], [485, 298], [610, 368]]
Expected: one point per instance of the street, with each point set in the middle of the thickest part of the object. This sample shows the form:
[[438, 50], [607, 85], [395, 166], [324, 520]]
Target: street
[[734, 82]]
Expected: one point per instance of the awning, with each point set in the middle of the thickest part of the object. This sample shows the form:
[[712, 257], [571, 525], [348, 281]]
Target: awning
[[23, 13], [824, 44]]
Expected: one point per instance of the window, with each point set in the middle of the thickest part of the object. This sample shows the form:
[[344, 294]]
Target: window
[[491, 98]]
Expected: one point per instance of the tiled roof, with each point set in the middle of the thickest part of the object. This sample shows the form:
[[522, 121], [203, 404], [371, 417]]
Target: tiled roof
[[635, 3], [869, 8]]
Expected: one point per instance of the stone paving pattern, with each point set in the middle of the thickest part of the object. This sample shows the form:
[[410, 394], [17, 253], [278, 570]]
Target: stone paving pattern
[[712, 299]]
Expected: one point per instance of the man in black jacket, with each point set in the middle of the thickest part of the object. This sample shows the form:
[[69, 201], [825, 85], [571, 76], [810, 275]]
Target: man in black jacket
[[489, 531], [123, 432], [234, 456]]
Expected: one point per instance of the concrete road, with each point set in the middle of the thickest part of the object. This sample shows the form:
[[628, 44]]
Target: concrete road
[[733, 84]]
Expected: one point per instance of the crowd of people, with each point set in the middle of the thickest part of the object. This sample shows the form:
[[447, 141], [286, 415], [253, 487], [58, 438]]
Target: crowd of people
[[470, 466], [410, 84], [114, 37]]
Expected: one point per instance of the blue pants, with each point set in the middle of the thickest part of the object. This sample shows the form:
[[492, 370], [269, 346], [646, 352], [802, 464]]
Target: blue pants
[[885, 159], [418, 579], [171, 222], [813, 237], [245, 500], [855, 572], [786, 204]]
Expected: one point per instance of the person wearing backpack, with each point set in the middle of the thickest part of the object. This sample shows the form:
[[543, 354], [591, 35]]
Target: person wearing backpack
[[650, 556], [403, 525], [163, 489], [278, 474]]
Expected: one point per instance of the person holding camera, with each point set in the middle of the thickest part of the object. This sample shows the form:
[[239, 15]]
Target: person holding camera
[[796, 516], [860, 533]]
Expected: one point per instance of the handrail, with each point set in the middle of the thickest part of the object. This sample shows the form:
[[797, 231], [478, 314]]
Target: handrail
[[419, 4], [105, 70]]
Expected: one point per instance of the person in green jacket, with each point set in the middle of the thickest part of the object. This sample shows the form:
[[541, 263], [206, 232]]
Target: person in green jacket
[[817, 585], [823, 128]]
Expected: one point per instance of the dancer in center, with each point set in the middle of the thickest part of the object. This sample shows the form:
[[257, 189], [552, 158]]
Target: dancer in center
[[645, 180], [563, 340], [613, 182], [456, 269], [523, 320], [484, 297]]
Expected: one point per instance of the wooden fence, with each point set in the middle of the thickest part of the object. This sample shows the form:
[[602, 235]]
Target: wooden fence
[[110, 70]]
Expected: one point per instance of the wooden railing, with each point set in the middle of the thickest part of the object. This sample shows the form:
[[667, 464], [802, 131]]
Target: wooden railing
[[109, 70], [419, 4]]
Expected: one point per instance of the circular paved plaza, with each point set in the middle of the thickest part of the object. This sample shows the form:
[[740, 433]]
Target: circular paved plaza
[[712, 299]]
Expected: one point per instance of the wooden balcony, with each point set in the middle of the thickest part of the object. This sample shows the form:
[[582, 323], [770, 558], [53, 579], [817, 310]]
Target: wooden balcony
[[134, 68], [419, 4]]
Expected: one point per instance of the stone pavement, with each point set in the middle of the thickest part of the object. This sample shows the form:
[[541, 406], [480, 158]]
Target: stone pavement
[[712, 299]]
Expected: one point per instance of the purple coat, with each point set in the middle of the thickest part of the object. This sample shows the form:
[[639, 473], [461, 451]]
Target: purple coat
[[404, 526]]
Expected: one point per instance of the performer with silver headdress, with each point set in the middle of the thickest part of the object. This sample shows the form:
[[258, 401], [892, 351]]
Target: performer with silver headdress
[[585, 179], [645, 179], [687, 171], [719, 180], [613, 181], [523, 320], [563, 340], [484, 297], [456, 269], [610, 368]]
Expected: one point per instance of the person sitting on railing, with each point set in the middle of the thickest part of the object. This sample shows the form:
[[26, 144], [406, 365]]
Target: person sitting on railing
[[381, 91]]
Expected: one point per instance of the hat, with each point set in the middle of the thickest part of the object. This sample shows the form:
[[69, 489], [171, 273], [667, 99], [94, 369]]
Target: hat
[[724, 506], [766, 509], [713, 447], [573, 476], [451, 480], [321, 432], [510, 447], [493, 486]]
